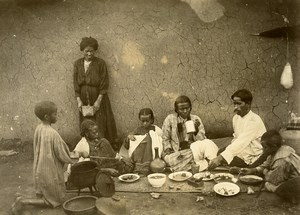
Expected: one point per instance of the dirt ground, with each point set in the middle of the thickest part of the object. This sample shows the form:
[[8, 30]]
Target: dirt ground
[[16, 177]]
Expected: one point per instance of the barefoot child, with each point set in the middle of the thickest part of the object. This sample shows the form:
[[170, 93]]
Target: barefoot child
[[50, 155], [141, 142]]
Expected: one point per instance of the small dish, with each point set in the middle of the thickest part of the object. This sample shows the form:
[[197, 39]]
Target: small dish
[[180, 176], [157, 179], [223, 177], [251, 179], [128, 178], [206, 176], [226, 189]]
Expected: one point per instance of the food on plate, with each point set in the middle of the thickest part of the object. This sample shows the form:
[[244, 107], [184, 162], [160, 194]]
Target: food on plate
[[226, 191], [180, 176], [157, 177], [128, 177], [221, 177]]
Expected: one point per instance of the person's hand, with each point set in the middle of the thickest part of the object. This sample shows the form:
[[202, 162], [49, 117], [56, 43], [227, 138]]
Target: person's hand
[[235, 170], [215, 162], [96, 106], [112, 172], [247, 171], [131, 137], [79, 104], [168, 151], [197, 123]]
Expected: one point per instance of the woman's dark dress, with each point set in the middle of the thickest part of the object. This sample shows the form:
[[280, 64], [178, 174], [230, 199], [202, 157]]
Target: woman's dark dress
[[88, 85]]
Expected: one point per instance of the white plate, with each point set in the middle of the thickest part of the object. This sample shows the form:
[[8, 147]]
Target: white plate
[[204, 177], [178, 176], [226, 189], [223, 177], [129, 177]]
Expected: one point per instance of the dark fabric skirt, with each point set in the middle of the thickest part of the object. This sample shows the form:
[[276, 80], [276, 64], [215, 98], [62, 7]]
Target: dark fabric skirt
[[104, 116]]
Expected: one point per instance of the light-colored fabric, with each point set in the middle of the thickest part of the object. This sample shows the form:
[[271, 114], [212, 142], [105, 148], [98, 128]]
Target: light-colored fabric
[[284, 165], [86, 65], [135, 143], [246, 142], [202, 150], [170, 134], [156, 143], [180, 160], [50, 155], [82, 146]]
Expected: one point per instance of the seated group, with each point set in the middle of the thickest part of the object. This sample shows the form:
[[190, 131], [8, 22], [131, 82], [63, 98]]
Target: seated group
[[253, 150]]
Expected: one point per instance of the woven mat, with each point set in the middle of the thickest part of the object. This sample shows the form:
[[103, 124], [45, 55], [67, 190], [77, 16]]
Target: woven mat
[[142, 186]]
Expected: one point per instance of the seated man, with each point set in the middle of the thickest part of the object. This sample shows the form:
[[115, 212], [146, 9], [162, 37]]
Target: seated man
[[245, 148], [281, 165], [181, 147]]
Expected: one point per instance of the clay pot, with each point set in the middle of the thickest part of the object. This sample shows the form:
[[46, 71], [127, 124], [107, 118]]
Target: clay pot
[[157, 165]]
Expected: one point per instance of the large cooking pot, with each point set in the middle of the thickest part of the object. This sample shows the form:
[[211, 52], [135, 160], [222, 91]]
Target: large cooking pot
[[83, 174]]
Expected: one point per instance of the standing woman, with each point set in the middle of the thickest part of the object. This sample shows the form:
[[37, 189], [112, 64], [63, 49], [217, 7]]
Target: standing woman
[[91, 85]]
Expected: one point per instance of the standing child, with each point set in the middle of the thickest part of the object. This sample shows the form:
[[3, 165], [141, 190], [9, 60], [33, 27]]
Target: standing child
[[50, 155], [141, 142]]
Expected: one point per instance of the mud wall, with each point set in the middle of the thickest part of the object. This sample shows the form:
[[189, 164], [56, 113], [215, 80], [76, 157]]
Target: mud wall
[[155, 51]]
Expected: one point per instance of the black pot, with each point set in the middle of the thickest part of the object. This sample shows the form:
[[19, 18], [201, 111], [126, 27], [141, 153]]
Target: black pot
[[83, 174]]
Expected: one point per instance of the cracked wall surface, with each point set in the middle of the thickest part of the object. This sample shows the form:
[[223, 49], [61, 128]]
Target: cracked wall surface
[[155, 51]]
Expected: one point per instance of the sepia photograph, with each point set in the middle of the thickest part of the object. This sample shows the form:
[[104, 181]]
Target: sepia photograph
[[149, 107]]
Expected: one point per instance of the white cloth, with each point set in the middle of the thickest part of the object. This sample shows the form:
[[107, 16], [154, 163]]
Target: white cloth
[[135, 143], [202, 150], [156, 138], [82, 146], [246, 142]]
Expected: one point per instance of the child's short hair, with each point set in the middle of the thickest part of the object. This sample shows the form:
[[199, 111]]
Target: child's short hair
[[272, 138], [146, 111], [43, 108], [85, 126]]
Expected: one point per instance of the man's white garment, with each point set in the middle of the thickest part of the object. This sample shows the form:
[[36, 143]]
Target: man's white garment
[[246, 138], [202, 150]]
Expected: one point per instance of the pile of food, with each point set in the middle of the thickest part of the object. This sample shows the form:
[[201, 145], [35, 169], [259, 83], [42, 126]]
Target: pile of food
[[226, 191], [129, 177]]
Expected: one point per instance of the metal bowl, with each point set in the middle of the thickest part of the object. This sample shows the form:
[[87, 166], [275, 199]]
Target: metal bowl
[[80, 205], [83, 174]]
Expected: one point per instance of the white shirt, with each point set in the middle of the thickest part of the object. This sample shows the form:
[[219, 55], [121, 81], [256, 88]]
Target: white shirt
[[246, 142]]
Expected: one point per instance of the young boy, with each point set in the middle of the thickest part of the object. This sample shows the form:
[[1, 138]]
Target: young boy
[[50, 155], [282, 164]]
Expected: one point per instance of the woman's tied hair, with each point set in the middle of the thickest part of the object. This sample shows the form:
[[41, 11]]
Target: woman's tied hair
[[85, 126], [272, 138], [244, 94], [182, 99], [146, 111], [88, 41], [44, 108]]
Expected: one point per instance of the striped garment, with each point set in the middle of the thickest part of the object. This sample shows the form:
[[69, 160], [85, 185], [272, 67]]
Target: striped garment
[[50, 155]]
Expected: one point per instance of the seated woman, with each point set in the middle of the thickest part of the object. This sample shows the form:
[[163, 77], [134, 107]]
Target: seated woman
[[142, 141], [281, 166], [181, 147], [99, 150]]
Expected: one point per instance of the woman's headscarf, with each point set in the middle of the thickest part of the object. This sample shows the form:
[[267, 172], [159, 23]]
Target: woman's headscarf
[[88, 41]]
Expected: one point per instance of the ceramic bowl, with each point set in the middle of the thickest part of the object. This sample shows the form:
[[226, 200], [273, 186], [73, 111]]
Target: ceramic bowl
[[80, 205], [157, 179]]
